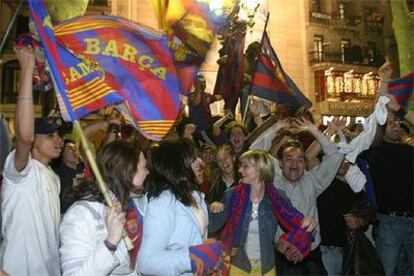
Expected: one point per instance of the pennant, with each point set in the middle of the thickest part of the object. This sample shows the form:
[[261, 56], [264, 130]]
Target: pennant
[[271, 82]]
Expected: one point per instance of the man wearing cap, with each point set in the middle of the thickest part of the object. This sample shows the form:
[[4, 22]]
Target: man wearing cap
[[30, 190]]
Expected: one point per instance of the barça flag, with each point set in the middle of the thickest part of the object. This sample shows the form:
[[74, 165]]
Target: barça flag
[[230, 74], [271, 82], [402, 89], [97, 61], [191, 26]]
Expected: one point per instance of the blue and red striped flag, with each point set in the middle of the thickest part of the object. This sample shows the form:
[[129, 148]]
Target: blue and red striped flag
[[101, 60], [230, 75], [271, 82], [73, 104], [402, 89], [191, 26]]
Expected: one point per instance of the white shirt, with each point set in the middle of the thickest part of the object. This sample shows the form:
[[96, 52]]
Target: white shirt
[[30, 219], [253, 235]]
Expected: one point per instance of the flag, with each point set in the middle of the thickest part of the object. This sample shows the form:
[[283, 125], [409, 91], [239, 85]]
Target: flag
[[72, 105], [271, 82], [230, 75], [191, 26], [137, 62], [402, 89], [109, 60]]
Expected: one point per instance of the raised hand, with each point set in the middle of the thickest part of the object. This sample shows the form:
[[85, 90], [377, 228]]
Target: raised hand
[[280, 124], [26, 57], [337, 124], [254, 107], [385, 71], [304, 125]]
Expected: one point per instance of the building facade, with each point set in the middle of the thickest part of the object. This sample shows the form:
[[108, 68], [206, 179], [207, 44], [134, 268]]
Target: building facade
[[332, 49]]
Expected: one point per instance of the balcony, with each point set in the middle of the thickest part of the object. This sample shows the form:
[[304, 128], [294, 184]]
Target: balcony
[[320, 18], [352, 58], [373, 26], [334, 20], [331, 57], [346, 108]]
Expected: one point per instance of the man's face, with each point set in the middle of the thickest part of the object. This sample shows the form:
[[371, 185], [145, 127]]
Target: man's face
[[293, 163], [200, 83], [48, 145], [225, 162], [392, 130], [70, 153], [237, 138]]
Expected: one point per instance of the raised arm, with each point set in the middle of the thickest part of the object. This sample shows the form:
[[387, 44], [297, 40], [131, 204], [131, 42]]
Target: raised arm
[[219, 123], [326, 171], [24, 122]]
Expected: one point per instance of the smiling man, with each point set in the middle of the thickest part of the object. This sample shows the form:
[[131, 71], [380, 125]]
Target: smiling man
[[30, 191], [302, 187]]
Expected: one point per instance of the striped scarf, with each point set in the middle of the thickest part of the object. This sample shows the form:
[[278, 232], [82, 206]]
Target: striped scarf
[[288, 217], [209, 258], [134, 224]]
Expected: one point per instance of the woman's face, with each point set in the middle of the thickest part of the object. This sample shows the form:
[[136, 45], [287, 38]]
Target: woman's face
[[197, 166], [141, 174], [249, 173]]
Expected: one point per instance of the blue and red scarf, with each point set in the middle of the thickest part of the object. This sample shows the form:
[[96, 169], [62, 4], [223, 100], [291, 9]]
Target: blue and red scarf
[[210, 258], [288, 217], [134, 225]]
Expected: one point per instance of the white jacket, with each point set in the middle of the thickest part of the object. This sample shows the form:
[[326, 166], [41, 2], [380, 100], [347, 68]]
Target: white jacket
[[82, 234]]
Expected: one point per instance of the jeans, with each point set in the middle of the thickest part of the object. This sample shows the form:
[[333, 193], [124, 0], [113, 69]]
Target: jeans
[[394, 232], [332, 259]]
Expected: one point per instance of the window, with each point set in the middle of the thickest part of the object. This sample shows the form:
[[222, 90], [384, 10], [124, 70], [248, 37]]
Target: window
[[316, 5], [318, 47], [342, 10], [345, 43], [10, 85], [371, 52]]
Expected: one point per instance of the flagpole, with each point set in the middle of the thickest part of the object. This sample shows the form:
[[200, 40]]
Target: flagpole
[[97, 173], [255, 66], [9, 27]]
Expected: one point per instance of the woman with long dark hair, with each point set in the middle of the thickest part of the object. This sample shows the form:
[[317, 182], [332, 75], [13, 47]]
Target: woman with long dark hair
[[91, 233], [176, 219]]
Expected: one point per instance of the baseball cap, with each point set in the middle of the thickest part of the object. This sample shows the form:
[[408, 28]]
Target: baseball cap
[[44, 125]]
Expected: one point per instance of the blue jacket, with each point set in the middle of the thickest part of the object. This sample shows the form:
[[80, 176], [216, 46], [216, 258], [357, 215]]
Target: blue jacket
[[170, 228], [267, 227]]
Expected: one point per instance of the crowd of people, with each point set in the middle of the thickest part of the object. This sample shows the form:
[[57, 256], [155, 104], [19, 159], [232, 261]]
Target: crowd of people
[[278, 195]]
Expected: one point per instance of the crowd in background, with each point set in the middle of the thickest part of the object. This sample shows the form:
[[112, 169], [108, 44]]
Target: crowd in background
[[283, 194]]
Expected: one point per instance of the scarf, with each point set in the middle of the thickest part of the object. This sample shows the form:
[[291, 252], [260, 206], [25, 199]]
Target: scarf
[[288, 217], [134, 225], [209, 258]]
